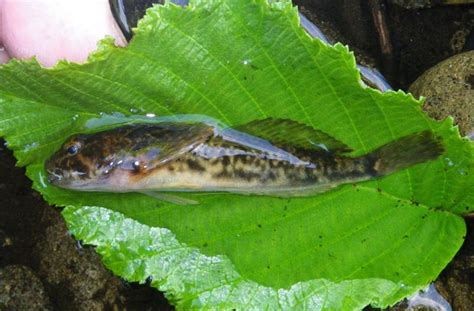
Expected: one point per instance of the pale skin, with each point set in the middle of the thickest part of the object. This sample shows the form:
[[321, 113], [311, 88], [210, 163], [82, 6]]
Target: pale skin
[[53, 30]]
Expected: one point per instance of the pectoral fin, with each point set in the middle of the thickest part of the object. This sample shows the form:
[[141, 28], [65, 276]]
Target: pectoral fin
[[180, 141], [157, 144], [169, 198], [288, 133]]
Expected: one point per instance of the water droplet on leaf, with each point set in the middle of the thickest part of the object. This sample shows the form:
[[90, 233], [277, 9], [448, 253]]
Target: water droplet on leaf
[[28, 147], [449, 162]]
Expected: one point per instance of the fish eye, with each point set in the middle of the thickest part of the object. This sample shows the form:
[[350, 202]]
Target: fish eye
[[136, 165], [72, 150]]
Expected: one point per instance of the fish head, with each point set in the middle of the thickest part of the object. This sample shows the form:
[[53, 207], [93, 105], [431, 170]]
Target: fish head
[[83, 162], [117, 160]]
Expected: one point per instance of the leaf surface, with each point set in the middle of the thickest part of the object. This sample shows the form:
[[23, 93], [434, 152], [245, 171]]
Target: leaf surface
[[238, 61]]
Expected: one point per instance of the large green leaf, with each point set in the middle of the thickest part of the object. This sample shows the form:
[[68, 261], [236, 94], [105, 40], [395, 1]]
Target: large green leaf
[[237, 61]]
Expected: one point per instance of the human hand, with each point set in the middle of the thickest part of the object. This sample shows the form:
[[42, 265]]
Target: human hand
[[53, 30]]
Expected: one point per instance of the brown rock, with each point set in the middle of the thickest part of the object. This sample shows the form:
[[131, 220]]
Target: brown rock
[[449, 90], [20, 289], [456, 281], [74, 271]]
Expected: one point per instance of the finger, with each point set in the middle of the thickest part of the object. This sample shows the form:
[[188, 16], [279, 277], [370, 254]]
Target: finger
[[3, 56], [56, 29]]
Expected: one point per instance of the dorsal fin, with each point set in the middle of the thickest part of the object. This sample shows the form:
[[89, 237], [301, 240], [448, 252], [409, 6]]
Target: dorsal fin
[[288, 133]]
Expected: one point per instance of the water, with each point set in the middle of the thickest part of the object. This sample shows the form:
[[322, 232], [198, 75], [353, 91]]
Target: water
[[428, 298], [449, 162], [107, 120], [372, 76]]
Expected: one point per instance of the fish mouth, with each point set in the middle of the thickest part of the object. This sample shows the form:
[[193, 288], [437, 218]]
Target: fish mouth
[[54, 178], [60, 180], [57, 178], [69, 180]]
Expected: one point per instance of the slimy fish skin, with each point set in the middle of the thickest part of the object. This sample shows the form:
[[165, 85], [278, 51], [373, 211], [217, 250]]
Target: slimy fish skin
[[259, 158]]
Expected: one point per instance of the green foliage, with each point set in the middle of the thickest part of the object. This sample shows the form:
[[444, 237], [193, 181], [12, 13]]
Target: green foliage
[[237, 61]]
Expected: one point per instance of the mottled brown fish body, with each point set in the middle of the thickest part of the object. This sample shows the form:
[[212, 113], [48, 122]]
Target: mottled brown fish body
[[197, 157], [251, 174]]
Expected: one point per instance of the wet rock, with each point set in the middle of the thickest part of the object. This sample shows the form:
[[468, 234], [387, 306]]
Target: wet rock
[[20, 289], [456, 281], [74, 271], [449, 90], [78, 280]]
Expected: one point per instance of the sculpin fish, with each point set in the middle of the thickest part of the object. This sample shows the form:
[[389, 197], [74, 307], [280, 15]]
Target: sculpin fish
[[275, 157]]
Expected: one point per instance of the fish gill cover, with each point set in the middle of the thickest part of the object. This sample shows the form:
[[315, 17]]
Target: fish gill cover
[[238, 61]]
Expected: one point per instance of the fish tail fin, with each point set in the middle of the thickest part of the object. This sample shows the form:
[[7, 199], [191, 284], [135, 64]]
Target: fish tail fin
[[405, 152]]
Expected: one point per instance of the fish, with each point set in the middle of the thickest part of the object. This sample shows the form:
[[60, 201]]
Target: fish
[[272, 157]]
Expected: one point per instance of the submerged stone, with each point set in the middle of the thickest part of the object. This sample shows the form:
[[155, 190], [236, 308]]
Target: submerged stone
[[21, 289], [449, 90]]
